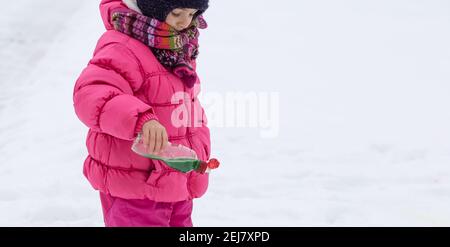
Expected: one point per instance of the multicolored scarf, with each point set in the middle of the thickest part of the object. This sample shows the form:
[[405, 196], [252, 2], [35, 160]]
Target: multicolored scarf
[[175, 50]]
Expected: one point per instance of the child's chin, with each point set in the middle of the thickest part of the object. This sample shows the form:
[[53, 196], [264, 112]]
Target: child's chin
[[179, 30]]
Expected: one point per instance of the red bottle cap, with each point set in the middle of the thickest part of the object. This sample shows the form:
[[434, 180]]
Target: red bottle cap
[[213, 164]]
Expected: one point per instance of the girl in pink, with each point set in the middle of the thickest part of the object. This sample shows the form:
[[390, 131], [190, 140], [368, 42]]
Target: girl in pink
[[141, 65]]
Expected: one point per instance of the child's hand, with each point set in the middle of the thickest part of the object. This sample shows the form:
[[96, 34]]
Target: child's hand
[[154, 137]]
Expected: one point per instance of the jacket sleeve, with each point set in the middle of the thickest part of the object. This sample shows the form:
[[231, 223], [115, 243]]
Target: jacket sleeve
[[103, 97]]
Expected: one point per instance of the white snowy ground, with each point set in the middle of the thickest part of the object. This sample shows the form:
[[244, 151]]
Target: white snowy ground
[[364, 123]]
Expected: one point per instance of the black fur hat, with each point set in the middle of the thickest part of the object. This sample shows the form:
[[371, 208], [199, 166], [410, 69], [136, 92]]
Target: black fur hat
[[159, 9]]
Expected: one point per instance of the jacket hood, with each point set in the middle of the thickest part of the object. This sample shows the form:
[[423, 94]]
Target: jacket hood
[[106, 8]]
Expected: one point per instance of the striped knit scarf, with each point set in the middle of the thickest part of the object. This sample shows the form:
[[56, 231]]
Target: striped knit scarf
[[175, 50]]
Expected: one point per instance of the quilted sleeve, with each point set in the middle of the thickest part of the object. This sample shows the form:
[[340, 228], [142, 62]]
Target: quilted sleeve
[[103, 97]]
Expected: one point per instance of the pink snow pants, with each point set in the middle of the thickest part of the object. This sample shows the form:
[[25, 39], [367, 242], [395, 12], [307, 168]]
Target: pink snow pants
[[118, 212]]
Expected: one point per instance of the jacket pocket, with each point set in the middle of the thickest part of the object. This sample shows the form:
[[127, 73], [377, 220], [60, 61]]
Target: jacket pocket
[[157, 173], [207, 152]]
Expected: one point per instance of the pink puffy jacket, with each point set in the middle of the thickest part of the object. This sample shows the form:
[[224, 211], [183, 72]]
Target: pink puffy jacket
[[123, 87]]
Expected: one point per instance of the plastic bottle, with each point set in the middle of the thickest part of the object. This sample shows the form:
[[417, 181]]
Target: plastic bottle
[[178, 157]]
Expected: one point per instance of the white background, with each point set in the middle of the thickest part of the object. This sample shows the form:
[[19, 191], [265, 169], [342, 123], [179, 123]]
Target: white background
[[364, 113]]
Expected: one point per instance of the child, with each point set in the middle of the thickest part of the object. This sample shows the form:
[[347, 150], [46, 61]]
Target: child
[[141, 63]]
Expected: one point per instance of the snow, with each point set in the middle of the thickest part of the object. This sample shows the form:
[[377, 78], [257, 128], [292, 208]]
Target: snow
[[363, 113]]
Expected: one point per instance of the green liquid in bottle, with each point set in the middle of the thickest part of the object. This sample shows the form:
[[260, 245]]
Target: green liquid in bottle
[[183, 165]]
